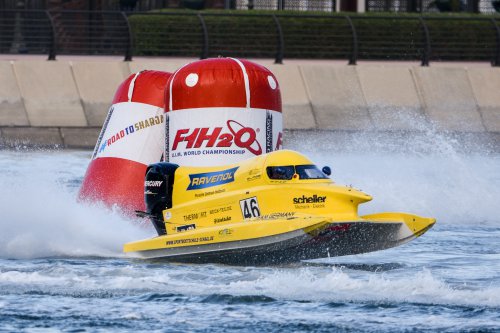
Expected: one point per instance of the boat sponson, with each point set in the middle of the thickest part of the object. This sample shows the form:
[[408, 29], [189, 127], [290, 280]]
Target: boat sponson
[[332, 239]]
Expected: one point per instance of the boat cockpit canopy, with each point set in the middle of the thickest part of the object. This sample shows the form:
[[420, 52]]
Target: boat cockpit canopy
[[286, 172]]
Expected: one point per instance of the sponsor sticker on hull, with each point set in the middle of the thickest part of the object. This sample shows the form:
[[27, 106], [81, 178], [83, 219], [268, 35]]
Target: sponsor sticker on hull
[[277, 215], [209, 179], [304, 202], [312, 199], [186, 227], [226, 232], [189, 240]]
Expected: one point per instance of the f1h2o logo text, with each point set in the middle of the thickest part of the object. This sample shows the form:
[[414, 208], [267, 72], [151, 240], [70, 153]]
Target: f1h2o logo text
[[250, 208], [241, 136]]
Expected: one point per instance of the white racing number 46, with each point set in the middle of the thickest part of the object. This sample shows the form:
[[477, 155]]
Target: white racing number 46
[[250, 207]]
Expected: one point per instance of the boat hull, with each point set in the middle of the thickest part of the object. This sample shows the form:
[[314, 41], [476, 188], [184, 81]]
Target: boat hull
[[327, 240]]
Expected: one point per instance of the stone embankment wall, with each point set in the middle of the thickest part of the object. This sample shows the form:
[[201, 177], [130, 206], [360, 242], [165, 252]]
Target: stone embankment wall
[[65, 102]]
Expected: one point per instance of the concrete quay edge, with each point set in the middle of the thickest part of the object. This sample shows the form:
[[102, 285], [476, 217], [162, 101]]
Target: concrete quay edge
[[64, 102]]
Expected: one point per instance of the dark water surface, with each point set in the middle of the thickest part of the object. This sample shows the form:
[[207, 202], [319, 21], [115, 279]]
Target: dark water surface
[[61, 266]]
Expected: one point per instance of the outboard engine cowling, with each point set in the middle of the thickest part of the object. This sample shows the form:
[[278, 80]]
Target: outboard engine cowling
[[158, 187]]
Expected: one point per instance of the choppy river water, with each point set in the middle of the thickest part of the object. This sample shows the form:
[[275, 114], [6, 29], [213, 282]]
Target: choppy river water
[[62, 269]]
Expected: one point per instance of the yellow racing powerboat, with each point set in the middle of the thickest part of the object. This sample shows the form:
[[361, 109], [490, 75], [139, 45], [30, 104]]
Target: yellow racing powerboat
[[271, 209]]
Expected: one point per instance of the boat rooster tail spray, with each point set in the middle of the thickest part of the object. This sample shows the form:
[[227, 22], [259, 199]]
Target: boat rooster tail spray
[[221, 111], [131, 138]]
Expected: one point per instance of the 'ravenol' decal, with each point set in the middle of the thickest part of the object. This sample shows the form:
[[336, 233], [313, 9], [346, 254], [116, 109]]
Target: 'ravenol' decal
[[208, 179]]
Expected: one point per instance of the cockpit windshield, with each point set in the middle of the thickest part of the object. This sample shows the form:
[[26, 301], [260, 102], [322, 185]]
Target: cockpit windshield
[[309, 171]]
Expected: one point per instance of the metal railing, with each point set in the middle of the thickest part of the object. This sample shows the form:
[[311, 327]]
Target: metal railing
[[278, 36], [436, 6], [148, 5], [401, 6]]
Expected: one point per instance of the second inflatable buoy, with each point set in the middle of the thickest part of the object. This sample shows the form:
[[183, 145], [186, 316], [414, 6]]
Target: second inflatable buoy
[[131, 138]]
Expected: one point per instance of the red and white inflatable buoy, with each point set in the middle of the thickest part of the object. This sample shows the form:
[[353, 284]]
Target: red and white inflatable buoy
[[131, 138], [221, 111], [209, 112]]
